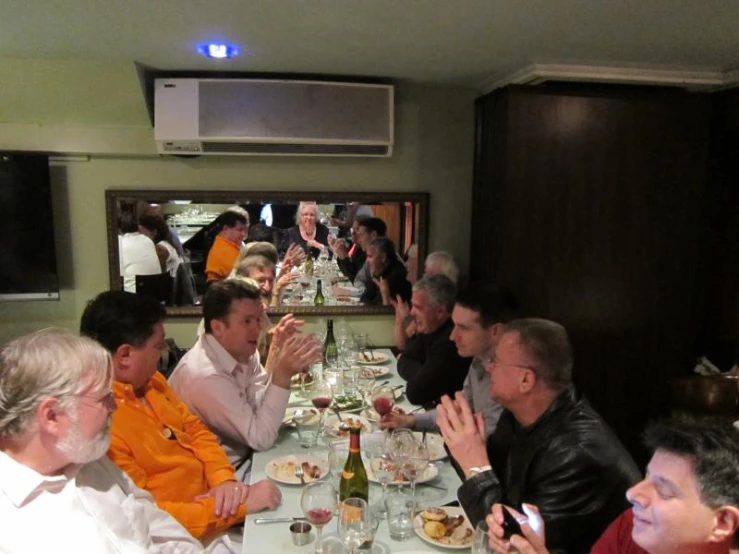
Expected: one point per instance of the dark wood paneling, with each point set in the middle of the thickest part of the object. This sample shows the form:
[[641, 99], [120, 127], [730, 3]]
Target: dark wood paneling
[[590, 207]]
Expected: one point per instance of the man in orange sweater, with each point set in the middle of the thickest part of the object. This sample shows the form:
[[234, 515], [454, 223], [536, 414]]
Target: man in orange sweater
[[224, 253], [163, 447]]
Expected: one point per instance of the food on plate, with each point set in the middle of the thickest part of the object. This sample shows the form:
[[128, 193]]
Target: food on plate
[[286, 471], [344, 403], [305, 378], [441, 527], [342, 428]]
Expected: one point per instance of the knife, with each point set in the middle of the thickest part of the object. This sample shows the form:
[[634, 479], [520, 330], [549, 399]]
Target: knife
[[279, 519]]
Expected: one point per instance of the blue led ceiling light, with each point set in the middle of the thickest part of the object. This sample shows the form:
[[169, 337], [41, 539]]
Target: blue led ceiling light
[[218, 51]]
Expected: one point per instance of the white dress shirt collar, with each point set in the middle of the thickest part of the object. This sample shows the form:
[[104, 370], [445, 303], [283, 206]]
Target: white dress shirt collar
[[224, 361], [28, 483]]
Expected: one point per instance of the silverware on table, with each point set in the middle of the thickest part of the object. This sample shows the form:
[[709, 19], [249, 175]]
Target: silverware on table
[[300, 474]]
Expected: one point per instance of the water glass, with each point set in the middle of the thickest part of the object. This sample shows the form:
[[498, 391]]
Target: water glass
[[309, 427], [350, 380], [480, 542], [400, 510], [356, 524], [338, 452]]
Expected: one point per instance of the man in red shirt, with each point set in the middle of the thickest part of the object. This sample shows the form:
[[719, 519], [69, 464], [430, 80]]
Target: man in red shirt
[[688, 503]]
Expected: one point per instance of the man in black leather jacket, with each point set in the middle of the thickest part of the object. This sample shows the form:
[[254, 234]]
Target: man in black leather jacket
[[550, 447]]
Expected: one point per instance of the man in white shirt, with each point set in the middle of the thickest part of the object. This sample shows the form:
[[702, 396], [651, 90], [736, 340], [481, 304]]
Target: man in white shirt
[[221, 379], [58, 490]]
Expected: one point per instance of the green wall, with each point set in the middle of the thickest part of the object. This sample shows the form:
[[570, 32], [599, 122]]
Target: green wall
[[100, 111]]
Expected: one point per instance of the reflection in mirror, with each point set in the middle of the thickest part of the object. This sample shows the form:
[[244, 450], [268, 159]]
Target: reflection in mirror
[[172, 244]]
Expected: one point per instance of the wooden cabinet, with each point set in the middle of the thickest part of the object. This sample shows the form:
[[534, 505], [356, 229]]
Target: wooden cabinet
[[589, 204]]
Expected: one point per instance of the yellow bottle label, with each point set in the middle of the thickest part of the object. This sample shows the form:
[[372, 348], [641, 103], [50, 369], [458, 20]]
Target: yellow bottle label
[[347, 474]]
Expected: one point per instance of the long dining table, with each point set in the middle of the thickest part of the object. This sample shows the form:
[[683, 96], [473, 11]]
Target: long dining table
[[266, 538]]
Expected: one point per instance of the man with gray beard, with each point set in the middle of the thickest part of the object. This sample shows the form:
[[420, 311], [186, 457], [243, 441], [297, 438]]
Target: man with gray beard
[[58, 490]]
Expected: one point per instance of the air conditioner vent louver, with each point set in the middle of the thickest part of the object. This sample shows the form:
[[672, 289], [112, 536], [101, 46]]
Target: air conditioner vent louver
[[241, 117]]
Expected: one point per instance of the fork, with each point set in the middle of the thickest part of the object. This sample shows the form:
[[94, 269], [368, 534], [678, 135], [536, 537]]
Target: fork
[[300, 474]]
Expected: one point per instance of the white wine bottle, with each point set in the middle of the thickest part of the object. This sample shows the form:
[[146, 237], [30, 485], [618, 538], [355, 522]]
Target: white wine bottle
[[354, 483]]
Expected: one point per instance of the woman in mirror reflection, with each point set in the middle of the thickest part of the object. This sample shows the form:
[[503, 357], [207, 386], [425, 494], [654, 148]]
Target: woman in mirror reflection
[[309, 233]]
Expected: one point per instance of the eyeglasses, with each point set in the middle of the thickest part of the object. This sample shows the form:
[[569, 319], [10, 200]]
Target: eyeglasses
[[492, 360]]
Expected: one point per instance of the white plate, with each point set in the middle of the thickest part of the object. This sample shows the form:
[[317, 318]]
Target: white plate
[[378, 371], [418, 522], [372, 415], [288, 420], [430, 473], [331, 425], [376, 358], [281, 471], [435, 445]]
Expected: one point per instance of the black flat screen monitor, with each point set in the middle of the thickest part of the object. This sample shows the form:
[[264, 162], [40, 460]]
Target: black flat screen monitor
[[27, 257]]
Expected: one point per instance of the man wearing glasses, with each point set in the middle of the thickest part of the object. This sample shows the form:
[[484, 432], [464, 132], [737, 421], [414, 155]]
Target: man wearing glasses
[[550, 447]]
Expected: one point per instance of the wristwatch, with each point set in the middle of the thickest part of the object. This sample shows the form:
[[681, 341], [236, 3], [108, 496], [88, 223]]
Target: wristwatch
[[473, 471]]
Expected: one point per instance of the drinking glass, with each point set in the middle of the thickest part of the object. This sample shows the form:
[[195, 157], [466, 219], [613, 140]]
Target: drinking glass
[[413, 462], [322, 395], [398, 444], [338, 452], [383, 399], [384, 469], [356, 524], [365, 382], [318, 502], [400, 509], [480, 541], [360, 343]]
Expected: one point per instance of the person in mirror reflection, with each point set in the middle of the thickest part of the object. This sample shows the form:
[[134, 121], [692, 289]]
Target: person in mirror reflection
[[222, 256], [367, 230], [155, 210], [58, 490], [436, 263], [155, 438], [136, 252], [308, 232], [430, 363], [479, 314], [345, 215], [156, 229], [550, 448], [350, 257], [688, 503], [388, 274], [222, 380]]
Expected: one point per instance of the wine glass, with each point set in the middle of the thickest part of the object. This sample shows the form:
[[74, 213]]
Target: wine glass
[[322, 395], [365, 382], [384, 469], [397, 444], [356, 524], [383, 399], [413, 462], [318, 502]]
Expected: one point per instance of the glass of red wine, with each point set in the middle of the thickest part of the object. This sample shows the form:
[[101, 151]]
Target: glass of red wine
[[322, 396], [383, 399], [319, 501]]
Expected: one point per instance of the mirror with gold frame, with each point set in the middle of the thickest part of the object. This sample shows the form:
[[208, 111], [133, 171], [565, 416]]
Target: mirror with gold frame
[[191, 214]]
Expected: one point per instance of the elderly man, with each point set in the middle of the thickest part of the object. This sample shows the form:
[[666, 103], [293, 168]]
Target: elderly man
[[163, 446], [688, 503], [430, 363], [441, 263], [550, 447], [222, 380], [222, 256], [479, 314], [58, 491]]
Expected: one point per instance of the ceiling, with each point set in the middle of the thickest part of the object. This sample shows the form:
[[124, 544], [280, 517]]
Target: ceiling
[[461, 42]]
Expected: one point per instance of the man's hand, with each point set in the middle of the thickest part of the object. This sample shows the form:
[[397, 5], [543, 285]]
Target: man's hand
[[295, 255], [463, 431], [298, 352], [533, 541], [402, 315], [384, 286], [263, 495], [339, 247], [282, 282], [229, 495], [285, 328], [396, 421]]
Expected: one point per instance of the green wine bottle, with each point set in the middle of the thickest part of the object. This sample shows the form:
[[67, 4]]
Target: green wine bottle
[[330, 350], [318, 300], [354, 483], [309, 264]]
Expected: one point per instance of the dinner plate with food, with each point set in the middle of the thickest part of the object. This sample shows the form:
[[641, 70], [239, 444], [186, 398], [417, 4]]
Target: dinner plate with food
[[400, 479], [300, 379], [339, 429], [447, 527], [372, 415], [370, 357], [348, 403], [291, 414], [282, 469]]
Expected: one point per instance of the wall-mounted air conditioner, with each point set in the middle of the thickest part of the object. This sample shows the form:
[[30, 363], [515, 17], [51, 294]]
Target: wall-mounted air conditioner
[[245, 116]]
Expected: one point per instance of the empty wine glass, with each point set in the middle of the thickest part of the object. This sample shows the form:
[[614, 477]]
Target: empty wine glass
[[356, 524], [384, 469], [365, 382], [397, 444], [318, 502], [322, 395], [413, 462]]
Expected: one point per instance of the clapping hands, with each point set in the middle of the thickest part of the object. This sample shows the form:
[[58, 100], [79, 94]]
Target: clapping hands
[[463, 431]]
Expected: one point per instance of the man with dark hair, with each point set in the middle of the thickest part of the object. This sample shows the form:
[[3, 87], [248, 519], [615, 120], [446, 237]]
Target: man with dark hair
[[350, 260], [479, 314], [688, 503], [430, 363], [222, 379], [163, 447], [388, 274], [222, 256], [550, 447], [368, 230]]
